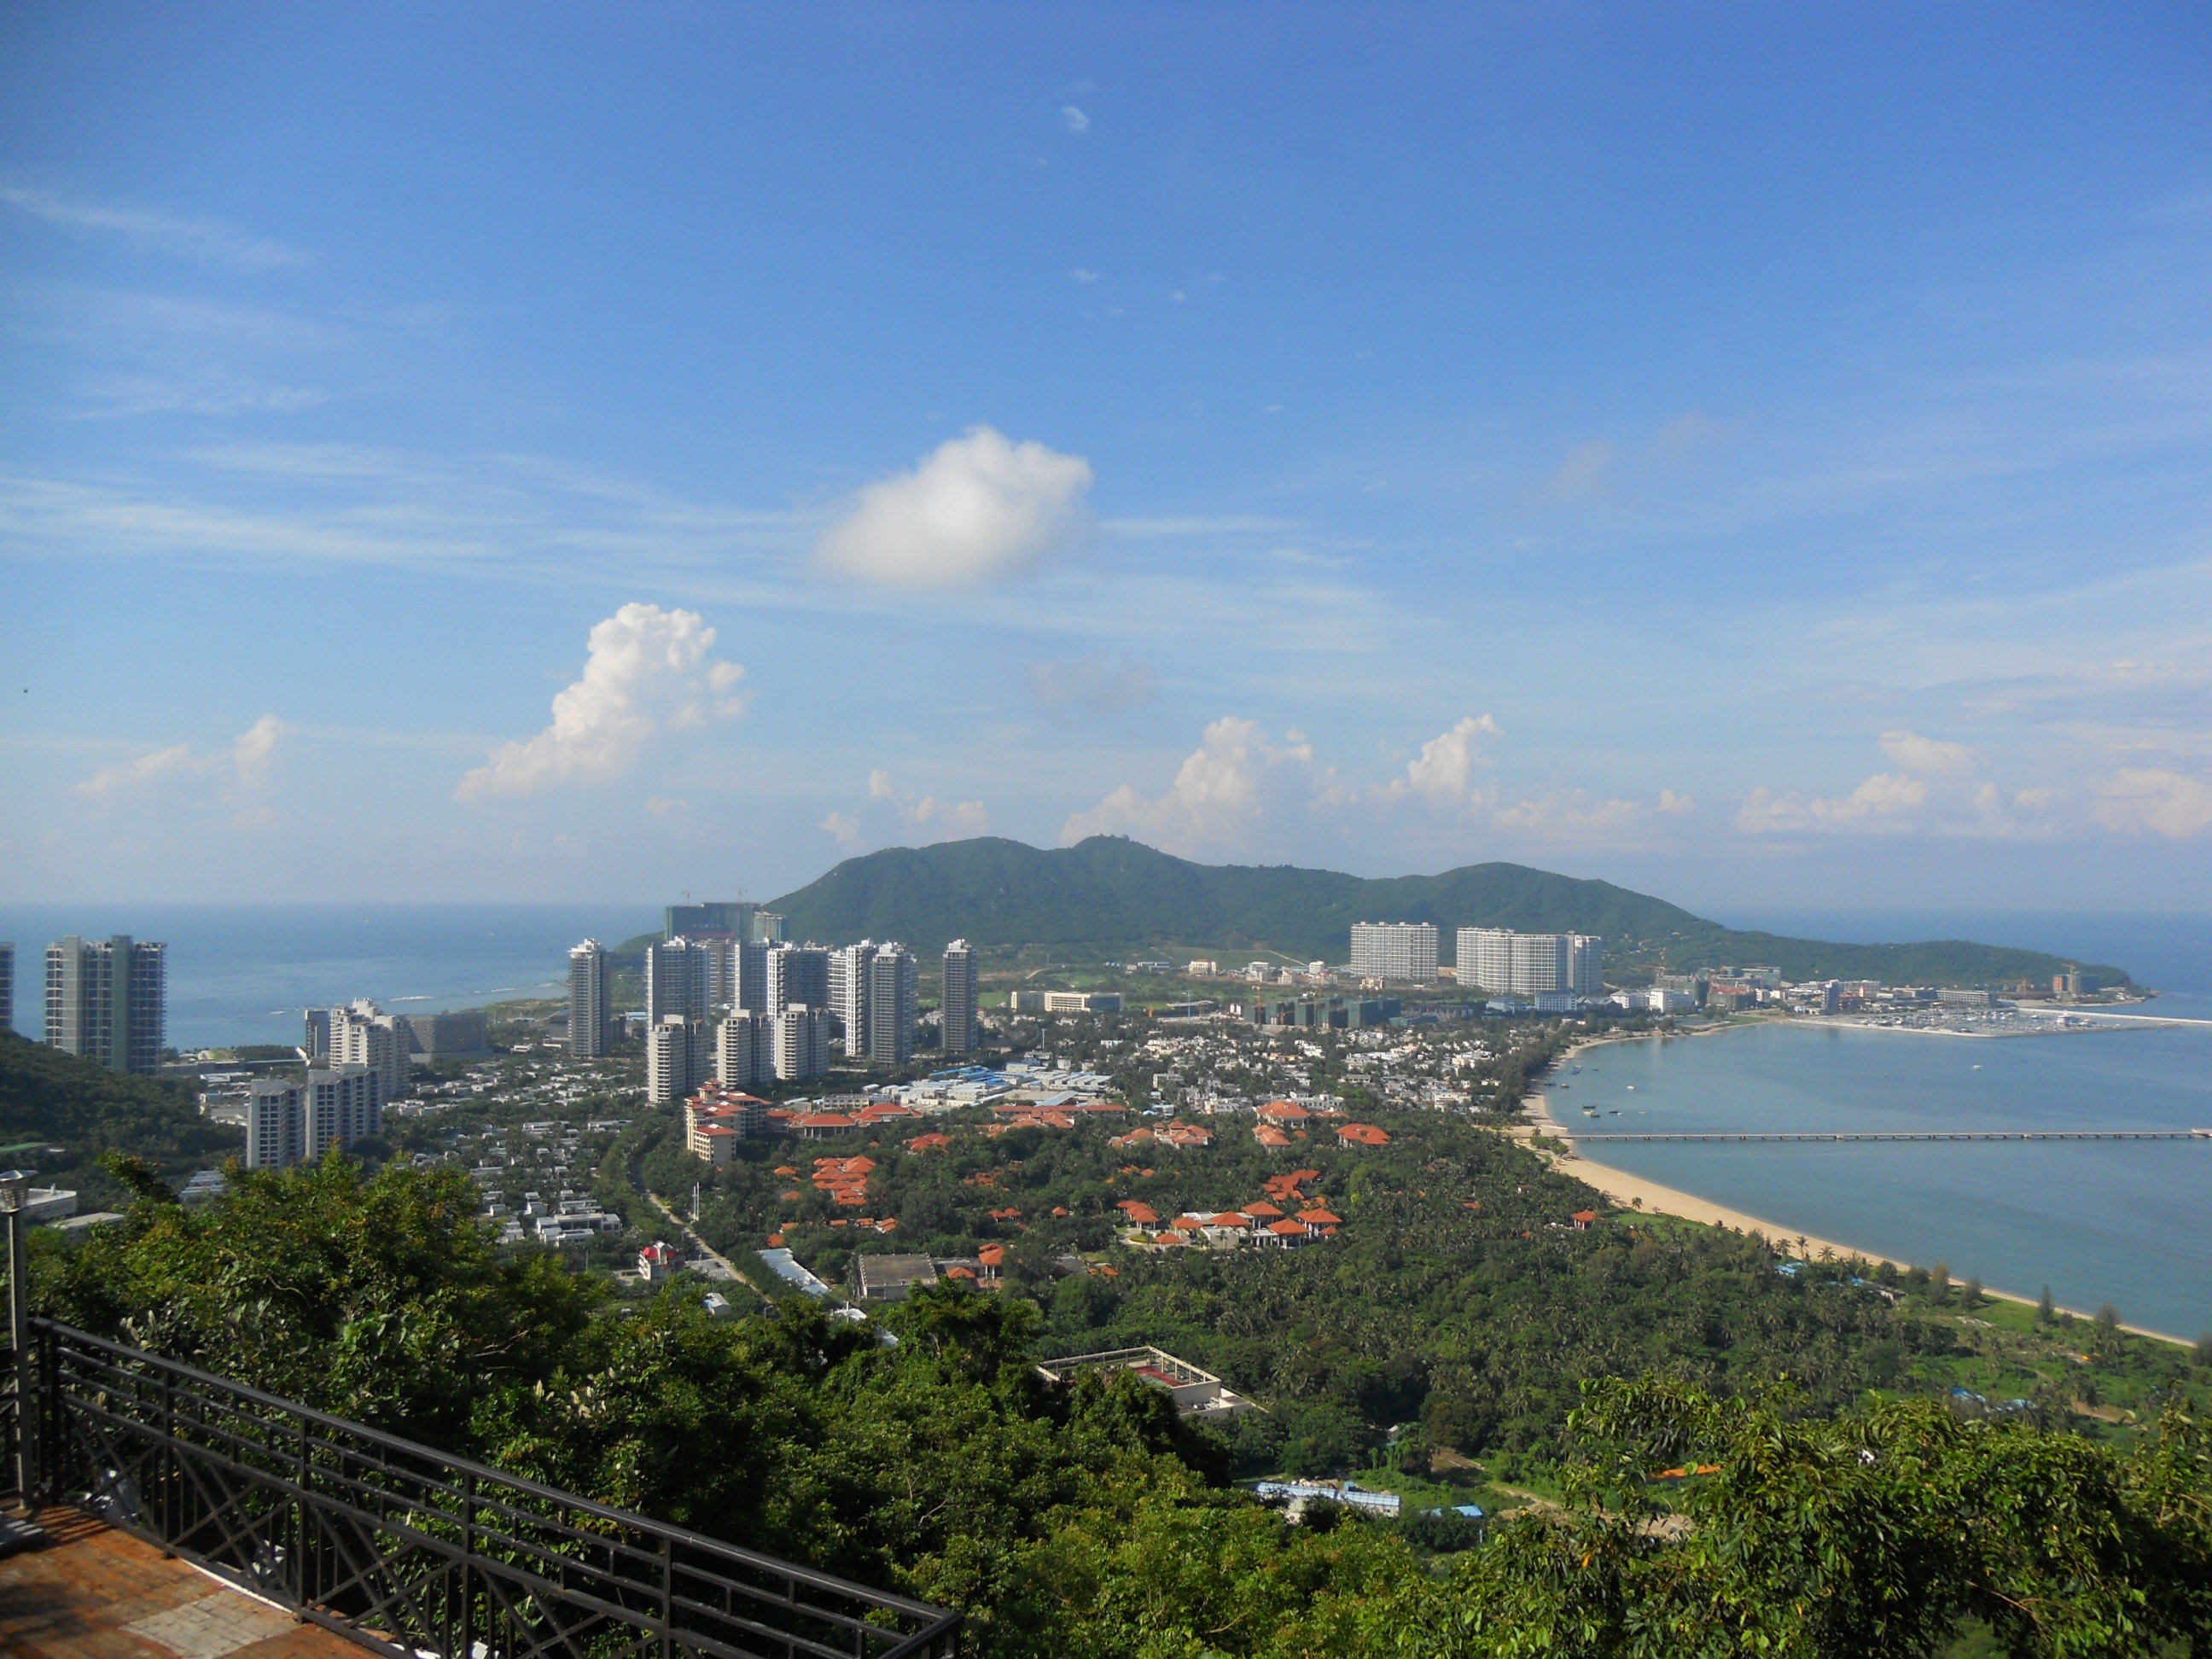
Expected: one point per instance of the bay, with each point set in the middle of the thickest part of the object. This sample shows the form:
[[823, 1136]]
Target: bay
[[245, 973], [2099, 1222]]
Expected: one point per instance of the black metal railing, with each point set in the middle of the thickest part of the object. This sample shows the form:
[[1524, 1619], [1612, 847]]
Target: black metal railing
[[408, 1550]]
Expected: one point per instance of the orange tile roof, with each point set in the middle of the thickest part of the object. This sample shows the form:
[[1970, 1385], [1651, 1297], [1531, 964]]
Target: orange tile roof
[[1362, 1134], [1319, 1219]]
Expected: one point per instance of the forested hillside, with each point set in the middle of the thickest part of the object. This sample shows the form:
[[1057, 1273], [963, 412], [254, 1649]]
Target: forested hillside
[[1108, 893], [86, 1110]]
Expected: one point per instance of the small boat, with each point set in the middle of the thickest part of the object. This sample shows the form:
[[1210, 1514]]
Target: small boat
[[1978, 1068], [1589, 1111], [1632, 1088]]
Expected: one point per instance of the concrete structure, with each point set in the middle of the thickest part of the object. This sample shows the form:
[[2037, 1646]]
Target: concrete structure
[[801, 1044], [439, 1036], [798, 975], [768, 927], [894, 985], [745, 1048], [107, 1000], [957, 1002], [736, 974], [363, 1035], [591, 1002], [1513, 963], [338, 1106], [891, 1277], [1394, 951], [676, 980], [1082, 1002], [724, 918], [848, 992], [679, 1053], [1196, 1393], [1025, 1002], [275, 1127]]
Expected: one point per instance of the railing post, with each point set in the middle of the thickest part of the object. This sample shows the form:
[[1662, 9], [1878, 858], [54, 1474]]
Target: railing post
[[667, 1594], [468, 1646], [19, 1335]]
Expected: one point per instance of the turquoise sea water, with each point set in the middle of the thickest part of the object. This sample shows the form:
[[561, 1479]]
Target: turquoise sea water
[[243, 973], [2129, 1223]]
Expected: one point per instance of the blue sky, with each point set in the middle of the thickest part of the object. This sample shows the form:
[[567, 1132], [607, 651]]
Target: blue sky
[[1757, 454]]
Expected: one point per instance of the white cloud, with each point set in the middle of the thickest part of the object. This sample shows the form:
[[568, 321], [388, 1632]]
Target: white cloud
[[843, 826], [161, 763], [1083, 275], [1572, 816], [956, 819], [1442, 774], [2150, 801], [1074, 119], [194, 239], [1671, 802], [1918, 754], [1091, 684], [648, 672], [247, 764], [256, 747], [1880, 802], [1235, 782], [978, 506]]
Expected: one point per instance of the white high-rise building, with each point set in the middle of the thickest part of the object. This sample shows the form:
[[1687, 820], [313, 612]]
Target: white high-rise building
[[796, 975], [275, 1126], [338, 1106], [893, 986], [678, 1055], [737, 975], [848, 992], [745, 1048], [956, 1005], [1394, 951], [801, 1043], [1510, 963], [362, 1034], [677, 975], [107, 1000], [591, 1002]]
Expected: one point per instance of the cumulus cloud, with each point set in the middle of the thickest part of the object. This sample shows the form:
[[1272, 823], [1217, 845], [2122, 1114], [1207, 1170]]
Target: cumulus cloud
[[1237, 780], [978, 506], [1444, 773], [648, 672], [2154, 801], [1917, 754], [193, 239], [1571, 814], [1884, 801], [842, 825], [958, 820], [1671, 802], [1074, 119], [246, 766], [1095, 685]]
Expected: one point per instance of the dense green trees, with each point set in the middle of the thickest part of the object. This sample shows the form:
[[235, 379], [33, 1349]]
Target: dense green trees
[[1084, 1521]]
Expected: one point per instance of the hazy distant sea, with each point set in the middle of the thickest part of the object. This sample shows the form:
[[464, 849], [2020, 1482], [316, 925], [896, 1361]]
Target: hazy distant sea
[[2129, 1223], [245, 973]]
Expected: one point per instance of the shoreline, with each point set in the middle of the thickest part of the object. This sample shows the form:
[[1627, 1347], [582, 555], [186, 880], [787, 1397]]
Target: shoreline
[[1621, 1187]]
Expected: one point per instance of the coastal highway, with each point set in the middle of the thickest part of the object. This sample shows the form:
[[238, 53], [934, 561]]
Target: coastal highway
[[1899, 1134]]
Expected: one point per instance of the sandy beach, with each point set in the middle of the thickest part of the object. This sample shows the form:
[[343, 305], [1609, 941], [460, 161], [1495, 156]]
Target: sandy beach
[[1633, 1191]]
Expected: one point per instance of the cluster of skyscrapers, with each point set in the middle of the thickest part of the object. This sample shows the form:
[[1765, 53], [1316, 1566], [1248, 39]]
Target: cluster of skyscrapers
[[359, 1060], [737, 1002], [107, 999], [1499, 960]]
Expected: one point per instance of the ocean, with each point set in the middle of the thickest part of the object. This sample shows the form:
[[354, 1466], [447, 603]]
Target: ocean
[[246, 973], [2125, 1223]]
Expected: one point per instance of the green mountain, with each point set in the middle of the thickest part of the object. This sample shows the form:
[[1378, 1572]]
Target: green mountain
[[1112, 893], [51, 1098]]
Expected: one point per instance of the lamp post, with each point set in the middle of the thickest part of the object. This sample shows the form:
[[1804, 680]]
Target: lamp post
[[14, 1190]]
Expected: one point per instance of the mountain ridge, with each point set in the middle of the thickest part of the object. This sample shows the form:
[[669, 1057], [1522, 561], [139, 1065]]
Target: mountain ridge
[[1108, 891]]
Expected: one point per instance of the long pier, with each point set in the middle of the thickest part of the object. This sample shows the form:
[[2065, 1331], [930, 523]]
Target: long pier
[[1570, 1133]]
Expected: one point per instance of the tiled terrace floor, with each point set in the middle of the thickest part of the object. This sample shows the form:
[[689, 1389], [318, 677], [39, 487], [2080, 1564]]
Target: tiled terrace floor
[[90, 1592]]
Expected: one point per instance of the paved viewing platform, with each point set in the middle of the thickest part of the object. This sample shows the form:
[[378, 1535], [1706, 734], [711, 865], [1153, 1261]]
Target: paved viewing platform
[[87, 1591]]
